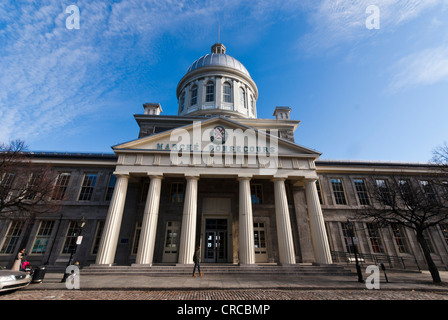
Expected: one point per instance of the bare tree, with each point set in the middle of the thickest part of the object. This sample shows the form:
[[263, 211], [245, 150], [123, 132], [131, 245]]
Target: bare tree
[[26, 188], [413, 205], [440, 156]]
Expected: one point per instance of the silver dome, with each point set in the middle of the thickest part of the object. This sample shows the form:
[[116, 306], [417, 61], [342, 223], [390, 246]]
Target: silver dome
[[217, 59]]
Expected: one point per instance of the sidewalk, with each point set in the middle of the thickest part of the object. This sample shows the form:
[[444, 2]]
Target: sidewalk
[[397, 281]]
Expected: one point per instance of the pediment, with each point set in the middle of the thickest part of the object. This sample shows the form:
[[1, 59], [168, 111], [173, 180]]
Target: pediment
[[217, 135]]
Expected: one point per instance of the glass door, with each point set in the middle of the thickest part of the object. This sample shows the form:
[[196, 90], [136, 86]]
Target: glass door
[[261, 252], [215, 240], [170, 250]]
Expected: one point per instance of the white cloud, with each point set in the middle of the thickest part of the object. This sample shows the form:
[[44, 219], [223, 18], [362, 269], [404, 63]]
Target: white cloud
[[422, 68], [340, 21]]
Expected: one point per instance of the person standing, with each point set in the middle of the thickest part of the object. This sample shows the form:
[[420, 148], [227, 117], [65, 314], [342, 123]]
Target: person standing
[[196, 260], [18, 261]]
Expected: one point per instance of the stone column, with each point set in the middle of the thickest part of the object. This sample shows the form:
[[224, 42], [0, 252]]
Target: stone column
[[318, 233], [246, 223], [188, 232], [284, 231], [147, 240], [109, 239]]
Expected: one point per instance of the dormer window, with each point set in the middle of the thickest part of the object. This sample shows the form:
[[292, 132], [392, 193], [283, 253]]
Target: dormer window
[[210, 92]]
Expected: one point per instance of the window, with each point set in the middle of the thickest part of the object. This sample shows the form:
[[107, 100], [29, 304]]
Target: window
[[319, 192], [177, 192], [61, 186], [97, 239], [42, 237], [7, 180], [338, 191], [70, 238], [361, 190], [110, 187], [374, 238], [194, 95], [227, 92], [210, 92], [383, 191], [347, 233], [6, 184], [182, 102], [429, 191], [243, 98], [399, 237], [252, 104], [33, 185], [445, 188], [444, 228], [87, 186], [12, 237], [256, 193]]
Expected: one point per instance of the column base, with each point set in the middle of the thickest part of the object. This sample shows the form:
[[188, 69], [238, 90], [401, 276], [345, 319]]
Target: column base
[[141, 265]]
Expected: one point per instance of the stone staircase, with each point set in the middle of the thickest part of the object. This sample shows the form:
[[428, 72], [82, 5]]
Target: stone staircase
[[223, 269]]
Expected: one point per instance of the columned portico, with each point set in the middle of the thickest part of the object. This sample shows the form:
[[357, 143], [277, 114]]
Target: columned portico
[[108, 245], [188, 232], [149, 225], [246, 223], [318, 233], [284, 232]]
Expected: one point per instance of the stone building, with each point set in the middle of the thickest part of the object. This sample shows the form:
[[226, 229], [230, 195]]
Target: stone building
[[215, 175]]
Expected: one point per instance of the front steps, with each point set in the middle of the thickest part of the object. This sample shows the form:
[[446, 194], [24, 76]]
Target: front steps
[[211, 269]]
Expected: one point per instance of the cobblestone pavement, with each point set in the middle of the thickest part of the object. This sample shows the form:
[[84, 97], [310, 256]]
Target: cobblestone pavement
[[246, 294]]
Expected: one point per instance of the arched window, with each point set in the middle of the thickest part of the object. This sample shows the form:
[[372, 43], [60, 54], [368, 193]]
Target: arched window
[[194, 95], [243, 98], [210, 92], [227, 92], [252, 104], [182, 102]]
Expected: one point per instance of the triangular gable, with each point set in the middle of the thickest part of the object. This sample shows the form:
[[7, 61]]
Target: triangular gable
[[216, 134]]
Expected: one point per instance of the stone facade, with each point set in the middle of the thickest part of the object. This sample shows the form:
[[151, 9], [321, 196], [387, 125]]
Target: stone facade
[[216, 176]]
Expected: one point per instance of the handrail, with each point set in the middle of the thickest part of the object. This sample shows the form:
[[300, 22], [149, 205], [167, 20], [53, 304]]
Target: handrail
[[363, 257]]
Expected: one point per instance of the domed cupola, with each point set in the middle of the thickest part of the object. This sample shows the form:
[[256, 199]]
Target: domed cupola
[[217, 84]]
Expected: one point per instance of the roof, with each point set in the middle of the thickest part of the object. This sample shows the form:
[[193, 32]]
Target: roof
[[218, 59]]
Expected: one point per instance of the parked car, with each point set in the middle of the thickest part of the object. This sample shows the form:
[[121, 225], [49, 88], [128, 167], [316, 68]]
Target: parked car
[[12, 280]]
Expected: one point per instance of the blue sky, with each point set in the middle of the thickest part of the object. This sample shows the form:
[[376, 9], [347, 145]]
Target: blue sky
[[360, 94]]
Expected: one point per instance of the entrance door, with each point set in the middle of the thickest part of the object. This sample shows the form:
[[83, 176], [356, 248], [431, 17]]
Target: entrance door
[[261, 252], [215, 240], [170, 250]]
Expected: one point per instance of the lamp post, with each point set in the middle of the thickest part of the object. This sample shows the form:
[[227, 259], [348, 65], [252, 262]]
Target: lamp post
[[351, 231], [80, 224]]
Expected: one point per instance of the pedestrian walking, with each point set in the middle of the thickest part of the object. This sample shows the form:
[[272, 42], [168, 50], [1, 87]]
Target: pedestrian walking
[[196, 259], [18, 262]]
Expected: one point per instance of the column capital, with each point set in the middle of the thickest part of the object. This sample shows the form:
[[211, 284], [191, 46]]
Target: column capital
[[244, 177], [280, 178], [192, 176], [121, 174], [155, 176]]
